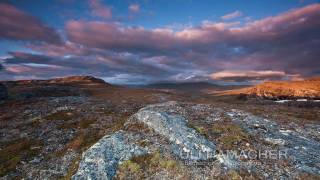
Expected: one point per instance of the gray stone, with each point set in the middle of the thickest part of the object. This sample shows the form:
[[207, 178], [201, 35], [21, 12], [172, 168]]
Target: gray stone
[[101, 160], [302, 149], [186, 142]]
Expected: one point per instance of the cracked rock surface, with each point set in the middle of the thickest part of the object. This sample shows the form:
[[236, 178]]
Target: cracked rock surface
[[100, 161], [303, 150], [186, 142]]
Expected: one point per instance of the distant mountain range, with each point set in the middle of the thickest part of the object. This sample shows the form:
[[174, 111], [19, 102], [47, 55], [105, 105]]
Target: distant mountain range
[[309, 88], [65, 86], [190, 86], [62, 80]]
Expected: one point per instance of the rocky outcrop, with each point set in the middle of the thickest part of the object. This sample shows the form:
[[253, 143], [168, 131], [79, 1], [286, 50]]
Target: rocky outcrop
[[169, 132], [3, 92], [169, 128], [102, 159], [186, 142], [304, 151]]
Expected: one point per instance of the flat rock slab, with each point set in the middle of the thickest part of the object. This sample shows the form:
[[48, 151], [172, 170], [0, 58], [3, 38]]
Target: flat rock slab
[[302, 149], [101, 160], [186, 143]]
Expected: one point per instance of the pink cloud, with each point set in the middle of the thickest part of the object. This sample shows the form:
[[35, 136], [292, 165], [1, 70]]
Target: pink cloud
[[18, 69], [233, 75], [18, 25], [115, 37], [135, 8], [232, 15], [100, 10], [288, 22], [67, 48]]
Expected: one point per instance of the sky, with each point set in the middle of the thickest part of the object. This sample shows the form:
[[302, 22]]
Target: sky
[[150, 41]]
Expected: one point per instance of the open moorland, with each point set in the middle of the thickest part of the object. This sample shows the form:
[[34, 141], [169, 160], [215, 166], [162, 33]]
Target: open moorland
[[81, 127]]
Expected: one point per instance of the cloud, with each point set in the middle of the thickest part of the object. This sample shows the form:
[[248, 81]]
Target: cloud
[[100, 10], [286, 42], [18, 69], [277, 47], [232, 15], [134, 8], [284, 26], [18, 25], [134, 39], [100, 64], [248, 75], [65, 49]]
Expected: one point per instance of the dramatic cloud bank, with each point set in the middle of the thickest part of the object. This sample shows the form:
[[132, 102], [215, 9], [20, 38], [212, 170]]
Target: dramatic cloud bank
[[279, 47], [18, 25]]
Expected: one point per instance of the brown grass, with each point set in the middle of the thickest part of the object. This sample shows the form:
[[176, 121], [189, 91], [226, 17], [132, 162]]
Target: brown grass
[[239, 175], [82, 124], [14, 152], [199, 129], [230, 135], [141, 167], [83, 140], [64, 115]]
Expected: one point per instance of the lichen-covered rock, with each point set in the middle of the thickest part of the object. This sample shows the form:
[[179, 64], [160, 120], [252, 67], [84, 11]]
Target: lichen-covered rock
[[101, 160], [304, 151], [3, 92], [186, 142]]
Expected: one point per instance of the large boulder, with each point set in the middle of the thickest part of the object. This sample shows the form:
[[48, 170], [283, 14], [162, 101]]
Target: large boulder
[[3, 92], [100, 161], [186, 142]]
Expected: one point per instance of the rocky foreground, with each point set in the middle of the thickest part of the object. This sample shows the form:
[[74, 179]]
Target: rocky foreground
[[84, 128], [192, 142]]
